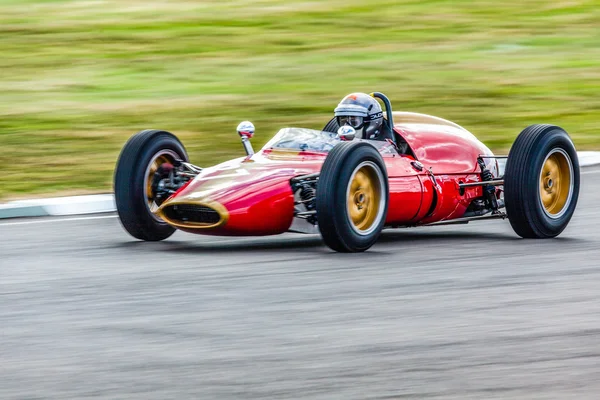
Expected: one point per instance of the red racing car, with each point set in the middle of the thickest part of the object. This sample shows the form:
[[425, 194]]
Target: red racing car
[[419, 170]]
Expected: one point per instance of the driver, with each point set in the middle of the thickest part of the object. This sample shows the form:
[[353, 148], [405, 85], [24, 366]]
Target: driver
[[363, 113]]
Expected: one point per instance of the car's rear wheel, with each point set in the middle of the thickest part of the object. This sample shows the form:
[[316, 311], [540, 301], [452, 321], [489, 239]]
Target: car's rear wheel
[[332, 126], [145, 155], [541, 184], [352, 197]]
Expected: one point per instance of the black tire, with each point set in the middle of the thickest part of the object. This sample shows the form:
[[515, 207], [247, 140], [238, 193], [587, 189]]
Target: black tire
[[130, 182], [338, 176], [537, 206], [332, 126]]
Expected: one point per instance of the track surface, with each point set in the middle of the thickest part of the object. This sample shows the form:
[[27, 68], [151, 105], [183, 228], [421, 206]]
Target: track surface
[[464, 312]]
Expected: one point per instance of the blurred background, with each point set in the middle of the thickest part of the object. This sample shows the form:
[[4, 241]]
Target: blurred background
[[457, 312], [79, 77]]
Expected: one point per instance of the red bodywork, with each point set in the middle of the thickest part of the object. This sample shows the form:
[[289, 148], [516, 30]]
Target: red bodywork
[[254, 194]]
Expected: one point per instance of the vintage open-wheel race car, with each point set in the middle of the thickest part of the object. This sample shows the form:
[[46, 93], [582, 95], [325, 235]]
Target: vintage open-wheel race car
[[423, 170]]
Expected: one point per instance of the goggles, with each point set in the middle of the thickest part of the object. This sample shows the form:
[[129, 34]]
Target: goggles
[[354, 121]]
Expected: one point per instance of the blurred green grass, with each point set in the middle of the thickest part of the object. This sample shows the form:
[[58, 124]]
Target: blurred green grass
[[79, 77]]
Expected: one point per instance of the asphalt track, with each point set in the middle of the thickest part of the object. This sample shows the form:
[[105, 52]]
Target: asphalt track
[[455, 312]]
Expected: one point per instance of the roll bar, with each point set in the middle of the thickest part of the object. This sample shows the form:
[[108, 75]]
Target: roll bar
[[388, 111]]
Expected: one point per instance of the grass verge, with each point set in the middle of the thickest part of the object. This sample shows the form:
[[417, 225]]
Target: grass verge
[[79, 77]]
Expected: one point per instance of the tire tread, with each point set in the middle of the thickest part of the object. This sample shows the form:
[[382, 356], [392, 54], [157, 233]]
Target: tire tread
[[521, 183], [133, 217], [331, 199]]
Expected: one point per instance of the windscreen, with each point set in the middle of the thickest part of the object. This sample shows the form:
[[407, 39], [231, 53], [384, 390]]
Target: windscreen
[[303, 139]]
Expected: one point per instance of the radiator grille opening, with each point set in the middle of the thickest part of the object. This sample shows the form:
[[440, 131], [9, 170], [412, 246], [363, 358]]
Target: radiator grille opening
[[192, 213]]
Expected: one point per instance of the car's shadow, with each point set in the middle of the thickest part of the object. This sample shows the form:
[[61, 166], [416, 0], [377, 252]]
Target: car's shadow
[[314, 243], [231, 244]]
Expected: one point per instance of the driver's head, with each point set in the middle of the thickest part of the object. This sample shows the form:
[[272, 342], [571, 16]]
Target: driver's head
[[363, 113]]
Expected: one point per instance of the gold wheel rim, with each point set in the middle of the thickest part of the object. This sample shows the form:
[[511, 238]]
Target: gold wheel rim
[[556, 183], [364, 198], [158, 160]]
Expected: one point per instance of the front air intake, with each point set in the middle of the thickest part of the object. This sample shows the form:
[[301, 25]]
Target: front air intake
[[191, 214]]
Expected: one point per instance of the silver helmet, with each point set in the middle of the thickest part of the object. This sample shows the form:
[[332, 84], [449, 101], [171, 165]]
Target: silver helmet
[[363, 113]]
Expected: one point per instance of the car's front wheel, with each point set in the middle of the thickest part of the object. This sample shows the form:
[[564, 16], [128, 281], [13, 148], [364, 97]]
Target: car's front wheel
[[352, 197], [145, 155]]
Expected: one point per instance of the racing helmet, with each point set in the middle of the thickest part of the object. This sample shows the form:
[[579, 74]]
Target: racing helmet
[[363, 113]]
